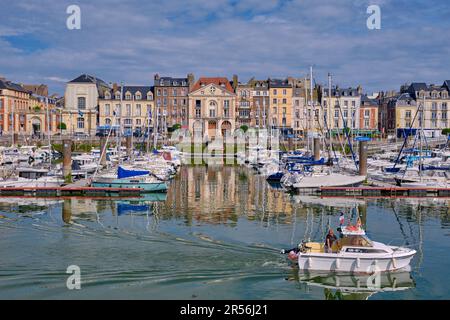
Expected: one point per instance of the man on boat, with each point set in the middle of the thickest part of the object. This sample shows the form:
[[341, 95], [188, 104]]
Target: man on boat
[[341, 219], [329, 240]]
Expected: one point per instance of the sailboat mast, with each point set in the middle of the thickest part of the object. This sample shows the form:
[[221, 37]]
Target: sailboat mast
[[48, 131]]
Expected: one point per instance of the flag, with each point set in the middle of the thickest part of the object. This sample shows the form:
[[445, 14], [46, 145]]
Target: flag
[[80, 113]]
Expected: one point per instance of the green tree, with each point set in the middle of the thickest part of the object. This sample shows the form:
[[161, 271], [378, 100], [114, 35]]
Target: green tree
[[62, 126], [244, 128]]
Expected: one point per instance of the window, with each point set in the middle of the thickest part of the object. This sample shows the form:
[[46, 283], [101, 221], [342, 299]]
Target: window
[[108, 121], [174, 102], [138, 110], [174, 93], [117, 95], [128, 122], [336, 123], [284, 110], [118, 110], [138, 122], [128, 110], [197, 113], [128, 96], [336, 113], [353, 103], [198, 103], [81, 103], [345, 103], [284, 101], [366, 113], [444, 115], [149, 96], [226, 104], [366, 123], [408, 114], [274, 101], [138, 96], [284, 92], [345, 113], [80, 123], [107, 110], [275, 91], [107, 96]]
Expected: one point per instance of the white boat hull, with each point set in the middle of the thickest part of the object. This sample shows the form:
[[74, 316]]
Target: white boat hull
[[338, 262]]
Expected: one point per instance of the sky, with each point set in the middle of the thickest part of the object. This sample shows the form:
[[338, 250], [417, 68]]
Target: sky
[[129, 41]]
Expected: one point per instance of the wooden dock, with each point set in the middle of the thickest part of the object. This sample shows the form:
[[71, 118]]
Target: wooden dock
[[384, 192], [70, 191]]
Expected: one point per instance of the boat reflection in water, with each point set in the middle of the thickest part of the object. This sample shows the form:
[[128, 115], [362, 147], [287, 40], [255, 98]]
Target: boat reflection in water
[[351, 286]]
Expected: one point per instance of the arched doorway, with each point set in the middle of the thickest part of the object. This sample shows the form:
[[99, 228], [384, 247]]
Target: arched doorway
[[212, 128], [226, 128], [197, 128], [36, 126]]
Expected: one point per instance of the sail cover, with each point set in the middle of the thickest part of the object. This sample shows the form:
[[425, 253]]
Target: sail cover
[[124, 173]]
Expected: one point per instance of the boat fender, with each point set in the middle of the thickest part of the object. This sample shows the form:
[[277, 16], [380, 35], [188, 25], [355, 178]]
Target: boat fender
[[358, 262], [309, 262], [338, 263], [394, 263]]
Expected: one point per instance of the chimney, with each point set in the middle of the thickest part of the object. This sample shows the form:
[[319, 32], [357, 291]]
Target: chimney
[[115, 87], [156, 76], [235, 82], [191, 79], [360, 90]]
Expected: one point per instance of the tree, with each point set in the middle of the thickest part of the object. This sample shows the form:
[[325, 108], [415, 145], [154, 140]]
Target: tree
[[62, 126], [446, 132], [244, 128]]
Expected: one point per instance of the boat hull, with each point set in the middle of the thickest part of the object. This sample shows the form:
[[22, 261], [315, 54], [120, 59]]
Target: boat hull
[[340, 263], [146, 187]]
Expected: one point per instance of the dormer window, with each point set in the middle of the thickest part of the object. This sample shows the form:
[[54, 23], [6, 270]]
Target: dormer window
[[138, 96], [107, 96], [161, 82], [128, 96], [117, 95], [149, 96]]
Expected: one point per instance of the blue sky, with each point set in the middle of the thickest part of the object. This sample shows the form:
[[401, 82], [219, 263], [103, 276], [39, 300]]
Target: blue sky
[[132, 40]]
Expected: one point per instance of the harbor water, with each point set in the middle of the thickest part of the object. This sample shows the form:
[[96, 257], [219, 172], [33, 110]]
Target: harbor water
[[216, 234]]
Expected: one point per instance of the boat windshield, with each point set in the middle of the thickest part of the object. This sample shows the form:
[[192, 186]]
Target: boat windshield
[[355, 241]]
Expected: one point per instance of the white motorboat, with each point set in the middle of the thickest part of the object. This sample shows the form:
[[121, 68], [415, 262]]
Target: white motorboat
[[354, 252]]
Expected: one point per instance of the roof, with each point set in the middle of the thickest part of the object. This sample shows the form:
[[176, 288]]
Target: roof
[[368, 102], [218, 81], [171, 82], [338, 92], [4, 84], [132, 89], [85, 78], [278, 83]]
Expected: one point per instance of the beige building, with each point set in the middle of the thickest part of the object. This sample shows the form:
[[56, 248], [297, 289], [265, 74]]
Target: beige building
[[244, 101], [14, 102], [81, 104], [280, 93], [212, 105], [130, 108], [342, 108]]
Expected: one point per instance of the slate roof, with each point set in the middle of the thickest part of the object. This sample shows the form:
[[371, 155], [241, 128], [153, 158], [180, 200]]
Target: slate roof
[[4, 84], [132, 89], [338, 92], [279, 83], [367, 102], [171, 82]]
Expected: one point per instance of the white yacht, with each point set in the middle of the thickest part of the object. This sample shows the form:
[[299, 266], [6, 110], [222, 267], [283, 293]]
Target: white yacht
[[354, 252]]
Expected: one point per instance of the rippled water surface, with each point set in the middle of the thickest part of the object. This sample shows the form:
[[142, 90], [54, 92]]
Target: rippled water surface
[[215, 235]]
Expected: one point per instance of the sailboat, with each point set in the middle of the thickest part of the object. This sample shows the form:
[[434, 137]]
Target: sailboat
[[315, 174], [128, 178]]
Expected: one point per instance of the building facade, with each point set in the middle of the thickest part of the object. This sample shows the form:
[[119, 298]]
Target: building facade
[[130, 108], [260, 103], [212, 105], [342, 108], [14, 106], [171, 99], [81, 104], [280, 93], [368, 116], [245, 113]]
